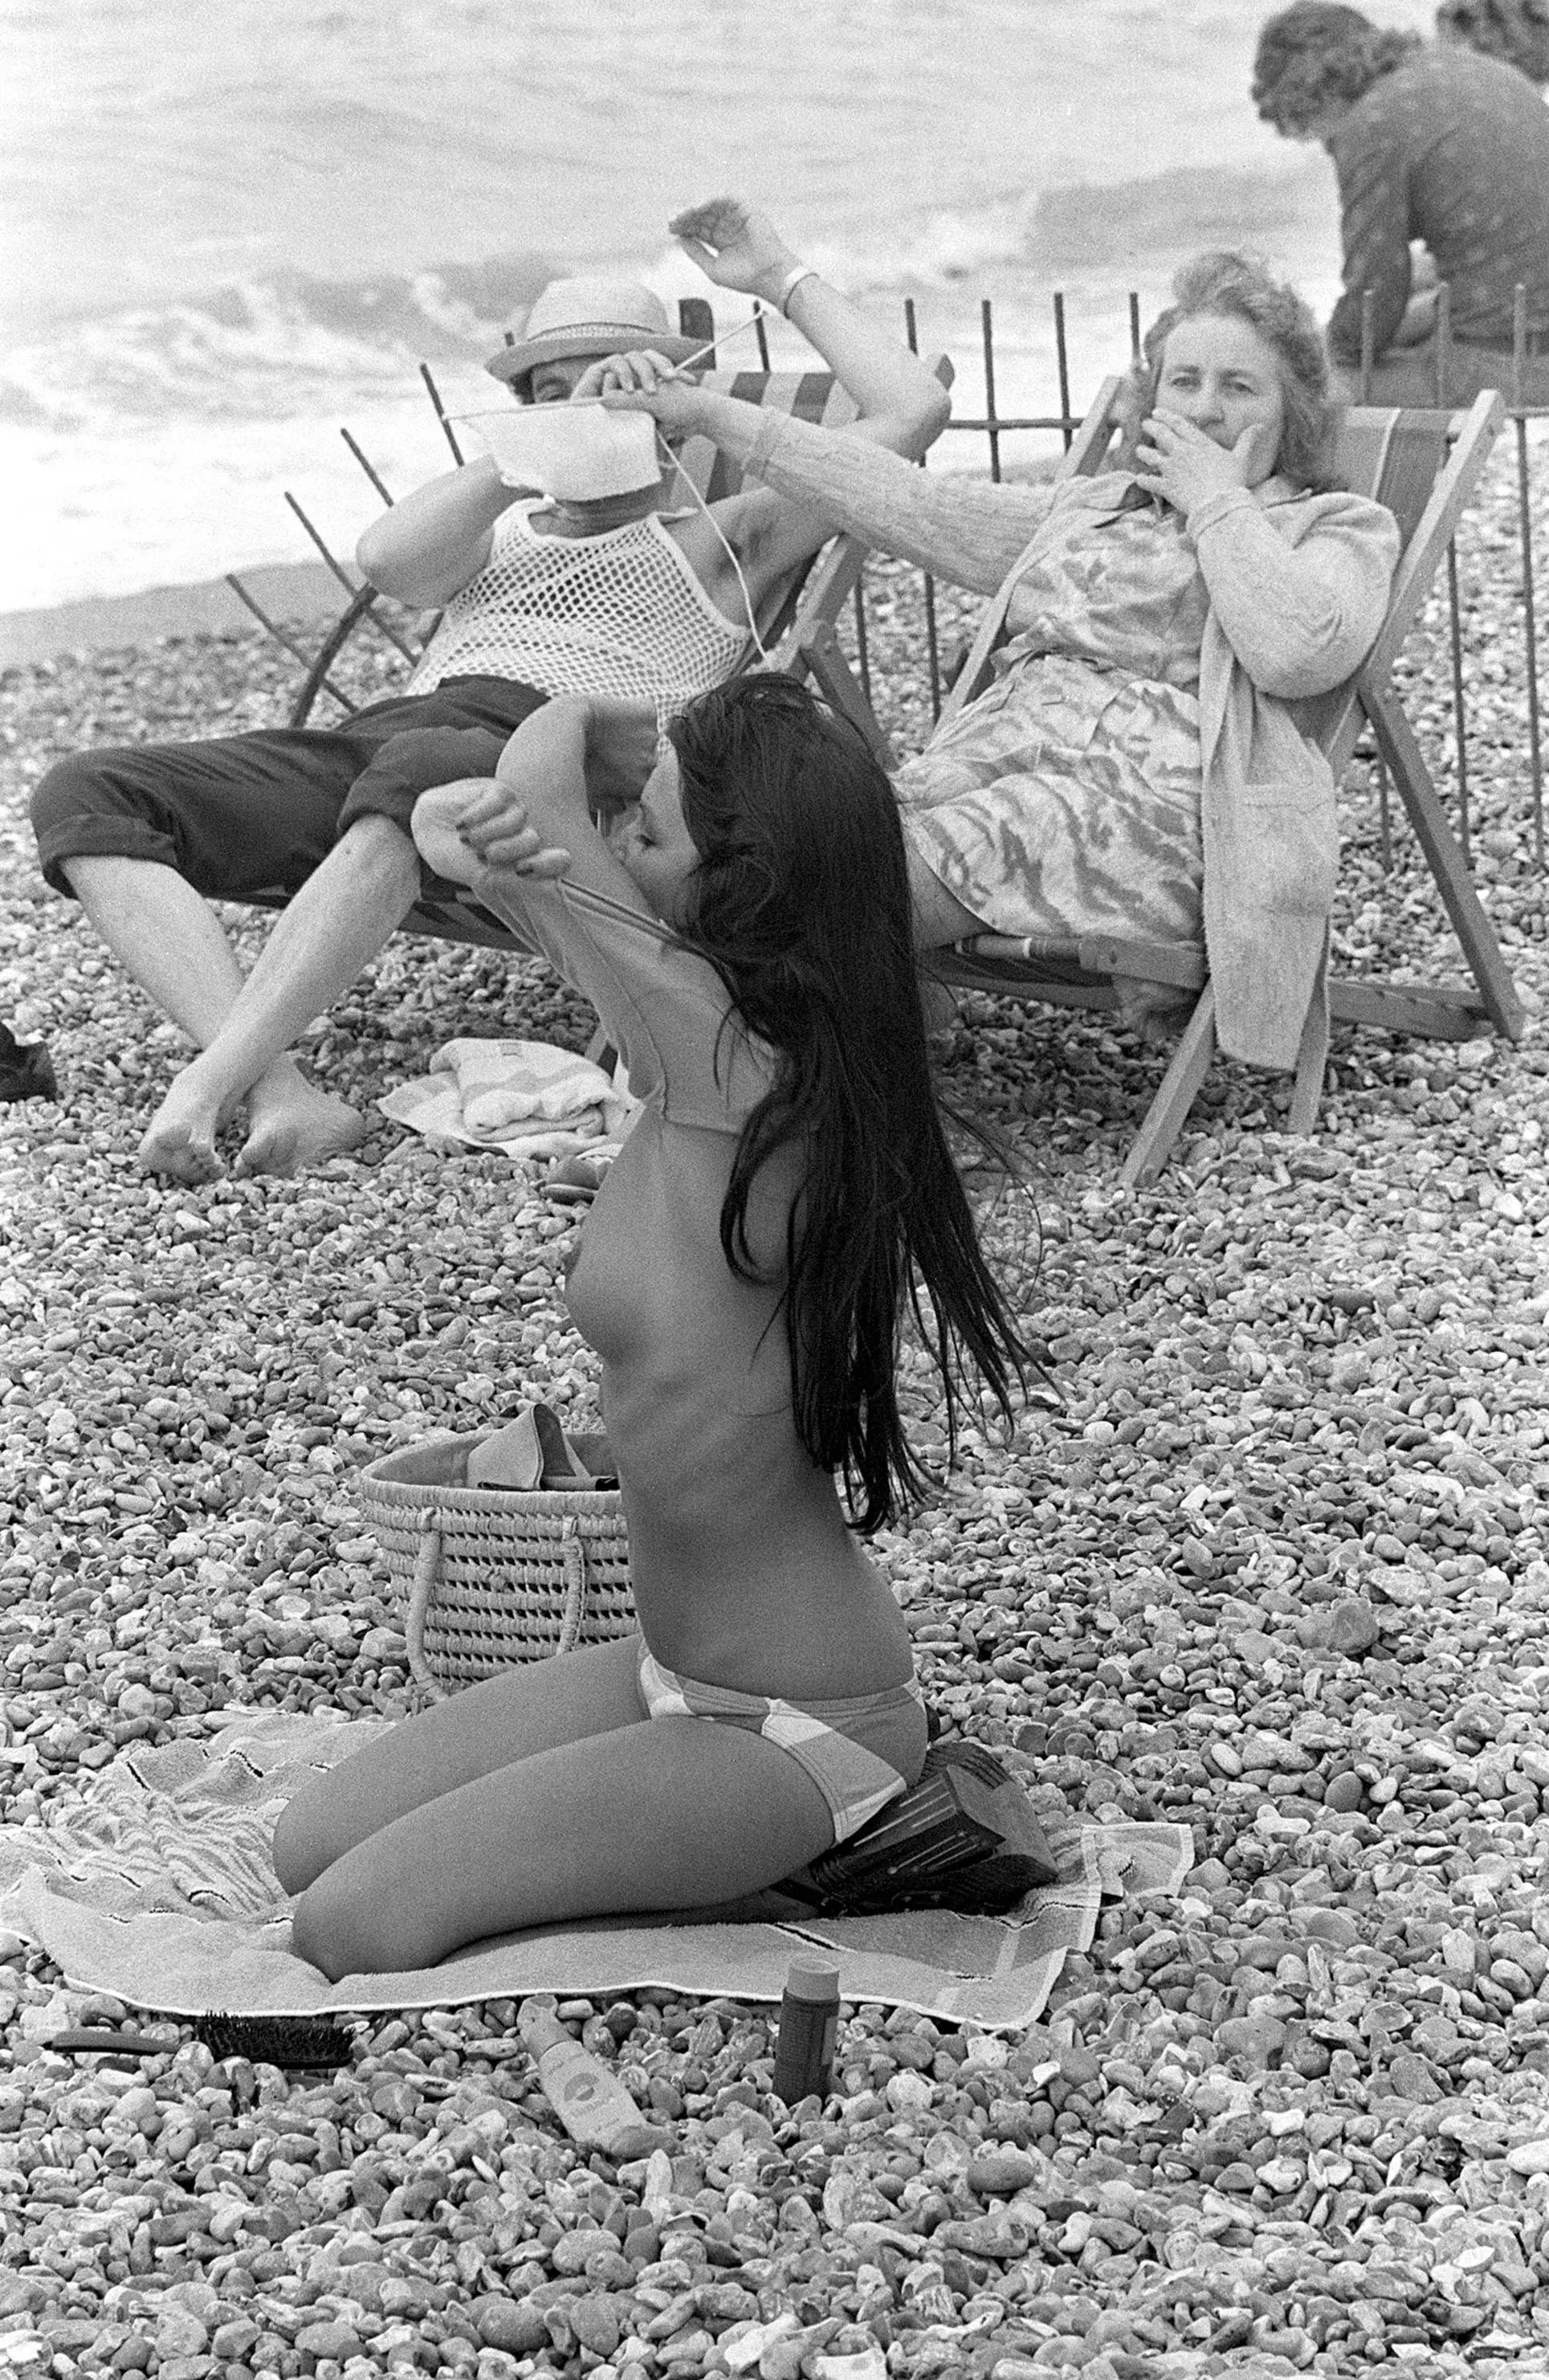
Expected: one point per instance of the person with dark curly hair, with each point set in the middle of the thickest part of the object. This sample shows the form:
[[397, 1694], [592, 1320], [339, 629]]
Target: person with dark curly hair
[[1435, 144], [1514, 31]]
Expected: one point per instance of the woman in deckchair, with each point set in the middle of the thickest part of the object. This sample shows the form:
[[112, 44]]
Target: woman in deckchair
[[1137, 769], [743, 1275]]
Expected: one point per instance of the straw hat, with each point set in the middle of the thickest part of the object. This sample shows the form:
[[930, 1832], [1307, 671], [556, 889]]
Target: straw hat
[[590, 316]]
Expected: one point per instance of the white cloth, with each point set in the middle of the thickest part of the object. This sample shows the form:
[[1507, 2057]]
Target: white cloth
[[527, 1097], [158, 1886]]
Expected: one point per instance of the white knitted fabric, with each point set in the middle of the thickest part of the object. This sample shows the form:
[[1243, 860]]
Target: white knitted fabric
[[620, 614]]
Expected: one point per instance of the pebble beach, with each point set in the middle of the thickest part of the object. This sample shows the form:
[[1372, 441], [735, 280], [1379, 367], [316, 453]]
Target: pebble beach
[[1276, 1572]]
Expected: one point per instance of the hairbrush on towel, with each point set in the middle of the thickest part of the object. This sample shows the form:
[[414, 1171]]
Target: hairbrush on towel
[[275, 2040]]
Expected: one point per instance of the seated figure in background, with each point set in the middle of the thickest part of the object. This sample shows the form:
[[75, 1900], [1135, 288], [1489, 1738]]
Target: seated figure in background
[[1136, 769], [615, 596], [1438, 145]]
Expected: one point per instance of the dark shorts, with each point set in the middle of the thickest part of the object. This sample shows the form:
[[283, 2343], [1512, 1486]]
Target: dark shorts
[[245, 817]]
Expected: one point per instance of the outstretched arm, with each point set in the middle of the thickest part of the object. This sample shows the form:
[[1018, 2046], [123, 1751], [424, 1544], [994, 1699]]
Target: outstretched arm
[[816, 480]]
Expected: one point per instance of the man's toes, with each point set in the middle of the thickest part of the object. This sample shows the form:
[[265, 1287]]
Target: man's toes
[[180, 1153], [269, 1147], [294, 1138]]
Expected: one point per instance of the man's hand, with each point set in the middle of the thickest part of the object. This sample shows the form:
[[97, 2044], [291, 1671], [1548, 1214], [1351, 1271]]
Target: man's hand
[[643, 381], [1178, 462], [734, 246], [636, 368], [460, 830]]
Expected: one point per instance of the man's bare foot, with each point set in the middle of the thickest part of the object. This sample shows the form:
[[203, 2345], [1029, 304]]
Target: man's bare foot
[[180, 1140], [292, 1125]]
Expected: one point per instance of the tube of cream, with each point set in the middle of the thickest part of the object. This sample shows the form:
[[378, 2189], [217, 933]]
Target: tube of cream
[[591, 2103]]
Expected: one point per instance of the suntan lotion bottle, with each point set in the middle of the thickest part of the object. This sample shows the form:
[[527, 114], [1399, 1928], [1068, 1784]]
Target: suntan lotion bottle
[[808, 2030], [591, 2103]]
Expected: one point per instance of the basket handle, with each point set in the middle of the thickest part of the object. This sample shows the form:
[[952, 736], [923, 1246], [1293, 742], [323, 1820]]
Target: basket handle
[[573, 1555], [427, 1563]]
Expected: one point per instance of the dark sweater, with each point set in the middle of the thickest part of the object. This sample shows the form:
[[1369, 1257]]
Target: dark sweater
[[1452, 149]]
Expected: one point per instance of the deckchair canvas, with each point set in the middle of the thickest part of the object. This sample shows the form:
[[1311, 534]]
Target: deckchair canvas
[[1423, 466]]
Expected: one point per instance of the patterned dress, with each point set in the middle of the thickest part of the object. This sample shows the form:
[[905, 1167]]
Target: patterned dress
[[1067, 799]]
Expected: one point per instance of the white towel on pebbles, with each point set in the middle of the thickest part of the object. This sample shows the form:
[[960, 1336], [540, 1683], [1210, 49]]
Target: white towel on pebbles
[[158, 1885], [527, 1097]]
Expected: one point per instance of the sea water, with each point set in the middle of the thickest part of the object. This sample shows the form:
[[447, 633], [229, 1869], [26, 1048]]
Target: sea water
[[234, 226]]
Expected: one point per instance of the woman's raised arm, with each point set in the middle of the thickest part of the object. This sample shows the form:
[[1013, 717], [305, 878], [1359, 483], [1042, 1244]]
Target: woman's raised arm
[[901, 402], [524, 841], [1299, 617]]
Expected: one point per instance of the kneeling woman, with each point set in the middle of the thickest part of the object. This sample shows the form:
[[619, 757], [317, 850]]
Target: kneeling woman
[[742, 1275]]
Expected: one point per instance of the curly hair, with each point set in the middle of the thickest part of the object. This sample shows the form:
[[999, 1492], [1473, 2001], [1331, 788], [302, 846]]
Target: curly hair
[[1242, 290], [1317, 54], [790, 813], [1514, 31]]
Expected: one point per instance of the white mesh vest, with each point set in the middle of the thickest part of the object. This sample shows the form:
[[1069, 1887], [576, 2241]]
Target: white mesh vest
[[620, 613]]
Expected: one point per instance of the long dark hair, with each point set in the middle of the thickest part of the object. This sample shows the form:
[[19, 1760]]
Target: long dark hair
[[1318, 54], [803, 909], [1223, 281]]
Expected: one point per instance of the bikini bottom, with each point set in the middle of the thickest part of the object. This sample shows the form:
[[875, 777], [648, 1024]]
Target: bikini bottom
[[856, 1750]]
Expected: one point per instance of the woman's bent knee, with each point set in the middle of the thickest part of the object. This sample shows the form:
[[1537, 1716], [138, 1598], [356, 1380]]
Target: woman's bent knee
[[349, 1922], [299, 1853], [319, 1936]]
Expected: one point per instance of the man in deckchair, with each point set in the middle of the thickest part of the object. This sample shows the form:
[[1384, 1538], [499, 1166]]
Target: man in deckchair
[[598, 595]]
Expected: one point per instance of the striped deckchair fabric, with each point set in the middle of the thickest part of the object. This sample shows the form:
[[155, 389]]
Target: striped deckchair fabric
[[1423, 466], [806, 397]]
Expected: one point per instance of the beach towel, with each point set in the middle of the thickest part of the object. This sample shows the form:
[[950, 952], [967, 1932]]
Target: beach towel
[[528, 1099], [156, 1885]]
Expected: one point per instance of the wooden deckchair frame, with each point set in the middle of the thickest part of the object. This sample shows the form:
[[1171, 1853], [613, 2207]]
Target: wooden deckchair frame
[[1425, 465]]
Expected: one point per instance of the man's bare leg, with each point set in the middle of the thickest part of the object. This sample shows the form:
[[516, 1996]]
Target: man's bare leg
[[340, 918], [170, 941], [171, 944]]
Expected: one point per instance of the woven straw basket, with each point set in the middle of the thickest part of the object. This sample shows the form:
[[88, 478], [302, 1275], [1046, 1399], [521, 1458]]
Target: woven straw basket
[[496, 1575]]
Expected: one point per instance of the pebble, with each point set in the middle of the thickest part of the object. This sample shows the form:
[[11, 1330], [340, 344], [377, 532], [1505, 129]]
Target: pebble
[[1277, 1572], [519, 2329], [1348, 1626]]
